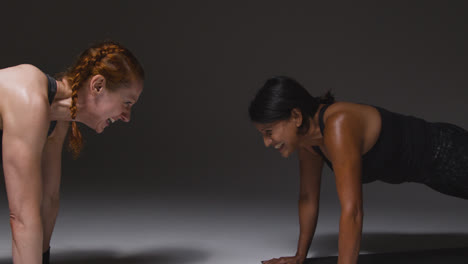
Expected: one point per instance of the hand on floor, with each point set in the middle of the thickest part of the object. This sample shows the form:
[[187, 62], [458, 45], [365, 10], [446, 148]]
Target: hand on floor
[[285, 260]]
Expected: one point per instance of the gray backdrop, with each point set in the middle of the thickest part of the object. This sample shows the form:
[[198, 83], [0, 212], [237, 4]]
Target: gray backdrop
[[190, 132]]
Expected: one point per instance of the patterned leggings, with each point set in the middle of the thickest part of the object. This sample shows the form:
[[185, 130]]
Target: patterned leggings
[[449, 172]]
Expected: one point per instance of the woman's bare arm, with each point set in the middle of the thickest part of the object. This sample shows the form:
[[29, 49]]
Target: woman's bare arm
[[309, 196], [343, 140], [51, 174], [25, 127], [311, 165]]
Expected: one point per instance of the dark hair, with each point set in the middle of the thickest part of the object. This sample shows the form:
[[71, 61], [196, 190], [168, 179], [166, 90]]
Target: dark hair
[[279, 96]]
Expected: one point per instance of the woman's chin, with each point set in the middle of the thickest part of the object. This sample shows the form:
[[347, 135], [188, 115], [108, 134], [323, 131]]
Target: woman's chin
[[285, 153], [99, 129]]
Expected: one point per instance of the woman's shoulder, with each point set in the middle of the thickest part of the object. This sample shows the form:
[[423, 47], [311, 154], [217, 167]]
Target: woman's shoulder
[[346, 106], [359, 121], [21, 68], [29, 73], [22, 76], [350, 116], [22, 87], [25, 76], [346, 110]]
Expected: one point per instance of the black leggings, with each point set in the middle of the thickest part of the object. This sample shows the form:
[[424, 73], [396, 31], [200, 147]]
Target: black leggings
[[449, 172]]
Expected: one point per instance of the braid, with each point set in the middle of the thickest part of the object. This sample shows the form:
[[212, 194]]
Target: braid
[[92, 62], [75, 138]]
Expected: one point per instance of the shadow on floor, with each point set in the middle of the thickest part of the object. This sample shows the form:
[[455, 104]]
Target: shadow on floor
[[157, 256], [394, 242], [433, 256], [402, 248]]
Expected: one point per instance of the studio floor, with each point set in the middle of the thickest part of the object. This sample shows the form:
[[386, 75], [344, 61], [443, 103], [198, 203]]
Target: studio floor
[[170, 229]]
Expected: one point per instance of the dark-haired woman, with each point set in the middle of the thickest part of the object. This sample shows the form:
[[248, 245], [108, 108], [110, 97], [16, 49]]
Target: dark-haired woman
[[361, 144], [35, 113]]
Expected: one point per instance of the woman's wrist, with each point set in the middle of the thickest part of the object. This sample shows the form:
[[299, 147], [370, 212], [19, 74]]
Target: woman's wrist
[[301, 255], [46, 256]]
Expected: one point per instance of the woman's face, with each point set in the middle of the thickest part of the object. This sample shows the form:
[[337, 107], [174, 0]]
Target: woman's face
[[103, 106], [282, 135]]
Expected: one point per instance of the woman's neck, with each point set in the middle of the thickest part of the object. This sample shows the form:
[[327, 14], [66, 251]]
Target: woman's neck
[[313, 136], [60, 108]]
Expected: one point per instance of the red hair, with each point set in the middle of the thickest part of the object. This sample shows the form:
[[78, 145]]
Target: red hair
[[109, 59]]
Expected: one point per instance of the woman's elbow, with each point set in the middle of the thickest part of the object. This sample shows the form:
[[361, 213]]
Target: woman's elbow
[[52, 200], [354, 213], [24, 219]]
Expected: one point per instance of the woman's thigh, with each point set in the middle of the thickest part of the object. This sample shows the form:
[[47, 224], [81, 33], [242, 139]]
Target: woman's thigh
[[449, 160]]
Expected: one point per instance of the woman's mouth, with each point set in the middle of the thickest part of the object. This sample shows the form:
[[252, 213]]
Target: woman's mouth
[[109, 121], [279, 146]]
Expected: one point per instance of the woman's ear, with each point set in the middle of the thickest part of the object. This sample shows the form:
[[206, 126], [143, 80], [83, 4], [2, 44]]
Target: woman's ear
[[296, 116], [97, 83]]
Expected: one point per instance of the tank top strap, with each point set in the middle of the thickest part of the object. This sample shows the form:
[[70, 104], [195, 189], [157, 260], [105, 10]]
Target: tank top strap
[[319, 151], [321, 113], [52, 88], [322, 127], [52, 91]]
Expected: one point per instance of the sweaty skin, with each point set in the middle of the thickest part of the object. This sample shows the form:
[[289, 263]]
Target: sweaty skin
[[24, 109], [32, 160], [351, 130]]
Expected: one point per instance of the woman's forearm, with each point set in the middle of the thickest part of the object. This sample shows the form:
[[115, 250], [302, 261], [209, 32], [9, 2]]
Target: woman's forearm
[[51, 174], [50, 208], [308, 213], [349, 241], [27, 238]]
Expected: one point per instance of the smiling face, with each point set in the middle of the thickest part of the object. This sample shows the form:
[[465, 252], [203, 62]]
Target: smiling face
[[102, 107], [282, 135]]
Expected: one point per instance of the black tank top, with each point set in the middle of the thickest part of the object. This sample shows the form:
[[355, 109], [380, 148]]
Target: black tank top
[[402, 152], [51, 92]]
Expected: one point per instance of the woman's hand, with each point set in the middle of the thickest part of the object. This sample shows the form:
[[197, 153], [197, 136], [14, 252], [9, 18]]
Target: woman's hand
[[285, 260]]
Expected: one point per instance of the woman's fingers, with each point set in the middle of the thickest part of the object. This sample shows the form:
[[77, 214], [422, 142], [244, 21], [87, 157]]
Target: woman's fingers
[[271, 261], [282, 260]]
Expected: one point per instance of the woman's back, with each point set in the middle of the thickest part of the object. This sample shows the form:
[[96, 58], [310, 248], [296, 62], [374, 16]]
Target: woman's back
[[368, 117], [400, 150]]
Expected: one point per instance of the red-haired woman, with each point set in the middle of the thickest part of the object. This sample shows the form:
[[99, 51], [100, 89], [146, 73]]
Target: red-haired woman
[[35, 114]]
